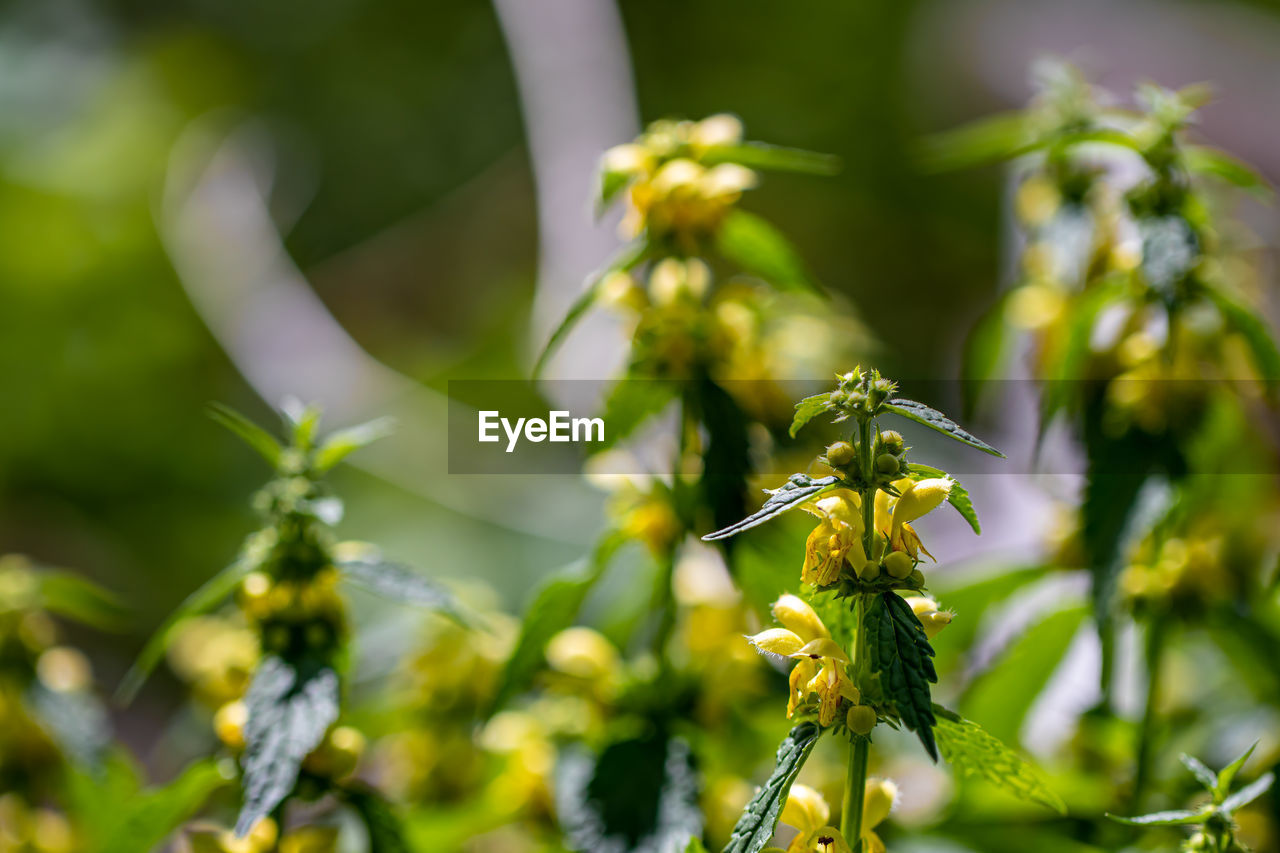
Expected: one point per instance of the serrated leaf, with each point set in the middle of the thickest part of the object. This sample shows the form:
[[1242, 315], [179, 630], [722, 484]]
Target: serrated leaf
[[973, 751], [627, 258], [400, 583], [207, 597], [758, 155], [1227, 775], [1203, 160], [630, 403], [342, 443], [252, 434], [1203, 774], [761, 250], [1177, 817], [80, 600], [1250, 325], [808, 409], [553, 607], [798, 489], [75, 720], [290, 710], [958, 497], [117, 815], [376, 812], [754, 829], [935, 420], [1248, 793], [639, 793], [902, 657]]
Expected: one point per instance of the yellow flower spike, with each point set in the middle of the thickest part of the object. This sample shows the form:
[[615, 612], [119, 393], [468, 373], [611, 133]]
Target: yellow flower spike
[[777, 641], [919, 498], [797, 616], [837, 538], [582, 653], [726, 179], [679, 175]]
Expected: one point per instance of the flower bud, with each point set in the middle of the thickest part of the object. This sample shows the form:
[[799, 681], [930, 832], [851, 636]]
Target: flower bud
[[229, 722], [869, 571], [916, 578], [887, 464], [891, 442], [797, 616], [898, 564], [861, 719], [840, 454]]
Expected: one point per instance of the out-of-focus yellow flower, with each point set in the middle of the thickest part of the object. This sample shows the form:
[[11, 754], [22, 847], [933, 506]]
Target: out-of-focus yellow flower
[[582, 653], [338, 754], [228, 723], [26, 829], [673, 281], [216, 656], [820, 667], [64, 670], [530, 755], [714, 131], [836, 540], [877, 801], [808, 812], [931, 618], [262, 839]]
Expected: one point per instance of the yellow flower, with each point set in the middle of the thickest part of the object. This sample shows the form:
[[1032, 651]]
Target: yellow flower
[[916, 498], [809, 813], [926, 610], [262, 838], [877, 801], [836, 540], [820, 667]]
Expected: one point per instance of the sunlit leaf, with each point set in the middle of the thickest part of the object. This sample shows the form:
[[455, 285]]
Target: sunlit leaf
[[761, 250], [1250, 325], [1203, 774], [630, 403], [758, 155], [1203, 160], [290, 710], [935, 420], [755, 827], [974, 752], [798, 489], [252, 434], [80, 600], [344, 442], [1178, 817], [401, 584], [808, 409], [1248, 793], [1227, 775]]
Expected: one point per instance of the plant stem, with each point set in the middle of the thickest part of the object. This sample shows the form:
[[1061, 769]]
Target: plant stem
[[855, 785], [1154, 654], [868, 491]]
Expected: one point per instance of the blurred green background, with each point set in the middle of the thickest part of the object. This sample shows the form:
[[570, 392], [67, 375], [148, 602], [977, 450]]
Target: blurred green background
[[405, 190]]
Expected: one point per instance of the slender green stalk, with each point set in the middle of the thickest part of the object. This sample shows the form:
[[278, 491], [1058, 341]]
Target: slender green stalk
[[854, 786], [1154, 653]]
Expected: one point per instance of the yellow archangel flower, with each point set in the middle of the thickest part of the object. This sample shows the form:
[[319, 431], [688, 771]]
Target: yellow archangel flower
[[916, 498], [877, 801], [808, 812], [926, 610], [820, 667], [836, 540]]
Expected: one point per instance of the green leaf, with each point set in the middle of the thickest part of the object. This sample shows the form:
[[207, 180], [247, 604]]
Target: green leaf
[[639, 793], [808, 409], [627, 258], [1203, 160], [761, 249], [935, 420], [290, 710], [901, 656], [958, 498], [1248, 793], [1203, 774], [1250, 325], [399, 583], [985, 350], [1178, 817], [609, 184], [754, 829], [726, 460], [988, 140], [975, 752], [386, 832], [798, 489], [695, 845], [1227, 775], [206, 598], [630, 403], [80, 600], [117, 815], [252, 434], [342, 443], [553, 607], [758, 155], [75, 720]]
